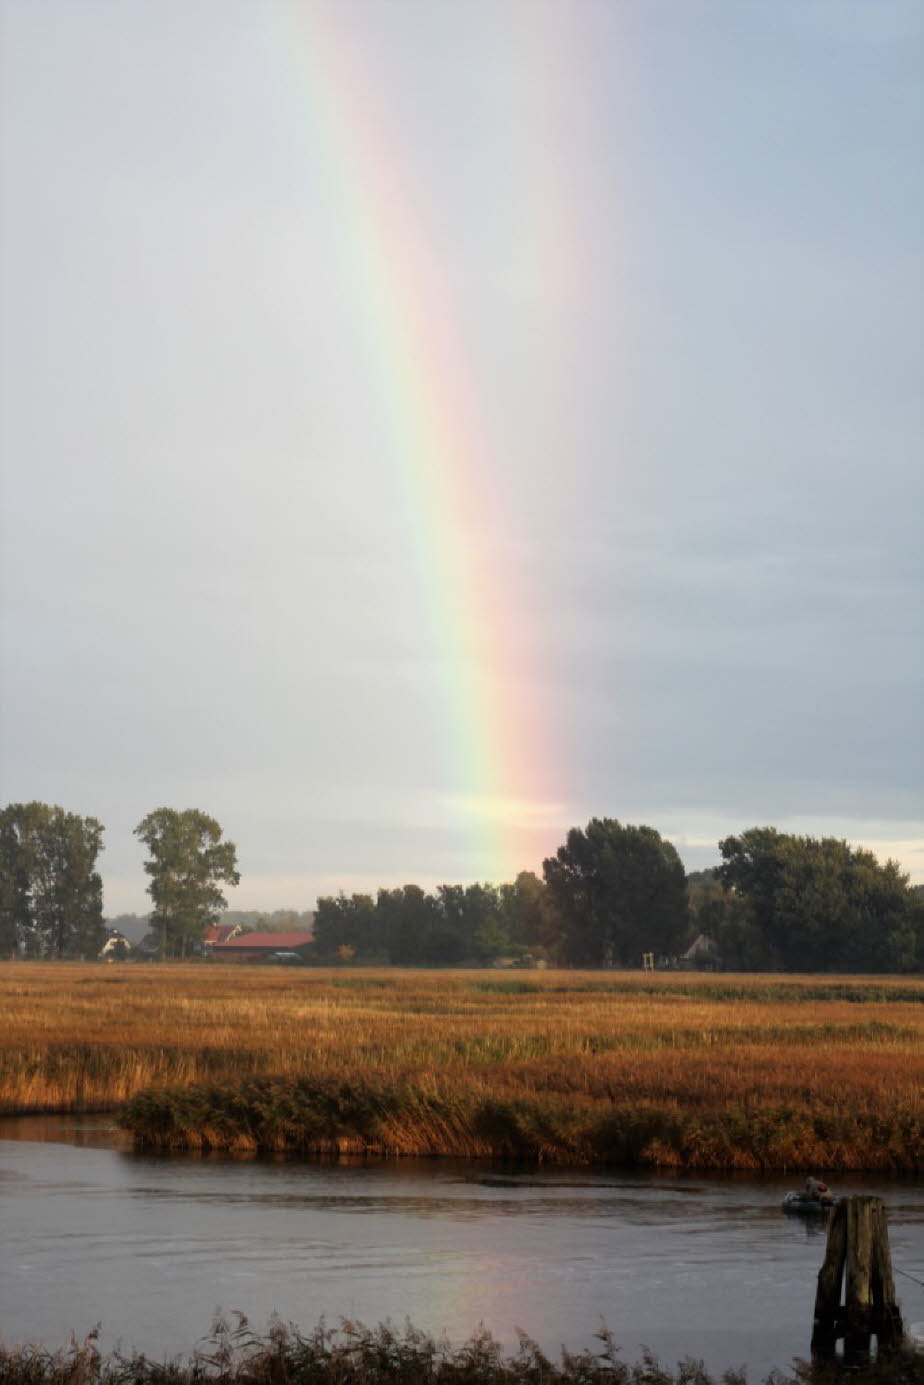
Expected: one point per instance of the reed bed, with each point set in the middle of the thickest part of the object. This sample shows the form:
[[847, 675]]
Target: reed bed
[[670, 1069], [354, 1354]]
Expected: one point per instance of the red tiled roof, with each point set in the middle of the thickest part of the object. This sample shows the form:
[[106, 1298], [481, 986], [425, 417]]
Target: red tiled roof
[[218, 932], [265, 942]]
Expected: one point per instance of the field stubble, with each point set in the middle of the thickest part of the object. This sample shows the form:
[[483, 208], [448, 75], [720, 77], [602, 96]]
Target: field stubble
[[689, 1071]]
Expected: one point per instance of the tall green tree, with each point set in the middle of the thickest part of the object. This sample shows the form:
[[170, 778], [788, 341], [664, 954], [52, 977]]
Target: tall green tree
[[51, 895], [406, 919], [452, 930], [822, 905], [19, 826], [530, 915], [68, 894], [467, 917], [620, 891], [188, 864], [345, 921]]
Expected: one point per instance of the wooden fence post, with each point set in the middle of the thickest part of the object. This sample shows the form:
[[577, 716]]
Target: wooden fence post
[[858, 1242]]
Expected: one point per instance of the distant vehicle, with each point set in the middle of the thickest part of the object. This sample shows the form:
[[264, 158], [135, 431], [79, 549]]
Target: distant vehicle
[[286, 959]]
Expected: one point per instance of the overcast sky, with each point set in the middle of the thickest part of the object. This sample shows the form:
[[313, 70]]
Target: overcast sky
[[653, 264]]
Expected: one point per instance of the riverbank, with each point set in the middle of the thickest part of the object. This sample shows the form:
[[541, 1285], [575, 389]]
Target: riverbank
[[570, 1114], [666, 1070], [359, 1355]]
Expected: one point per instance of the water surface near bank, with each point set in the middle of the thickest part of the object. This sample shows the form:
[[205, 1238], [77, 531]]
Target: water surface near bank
[[153, 1244]]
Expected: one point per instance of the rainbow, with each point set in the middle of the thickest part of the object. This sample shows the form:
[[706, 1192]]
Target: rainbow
[[496, 751]]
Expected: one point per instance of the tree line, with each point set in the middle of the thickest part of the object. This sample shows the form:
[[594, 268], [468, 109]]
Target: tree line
[[611, 893]]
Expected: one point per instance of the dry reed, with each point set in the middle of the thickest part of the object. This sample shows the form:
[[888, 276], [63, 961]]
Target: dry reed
[[354, 1354], [700, 1071]]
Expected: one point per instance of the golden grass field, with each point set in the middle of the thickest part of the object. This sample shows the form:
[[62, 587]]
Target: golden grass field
[[676, 1069]]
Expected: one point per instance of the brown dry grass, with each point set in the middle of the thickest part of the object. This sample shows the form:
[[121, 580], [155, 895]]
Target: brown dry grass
[[829, 1065]]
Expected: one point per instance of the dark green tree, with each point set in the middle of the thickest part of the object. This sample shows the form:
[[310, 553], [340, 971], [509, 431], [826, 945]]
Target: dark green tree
[[20, 824], [620, 891], [188, 864], [407, 919], [722, 916], [346, 921], [491, 939], [468, 916], [451, 932], [68, 895], [51, 895], [820, 904], [530, 915]]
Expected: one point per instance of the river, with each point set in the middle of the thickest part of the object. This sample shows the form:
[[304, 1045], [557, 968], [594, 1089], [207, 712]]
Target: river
[[152, 1245]]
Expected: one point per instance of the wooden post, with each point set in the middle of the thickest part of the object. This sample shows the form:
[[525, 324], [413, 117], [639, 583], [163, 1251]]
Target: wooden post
[[886, 1313], [858, 1316], [830, 1277], [858, 1242]]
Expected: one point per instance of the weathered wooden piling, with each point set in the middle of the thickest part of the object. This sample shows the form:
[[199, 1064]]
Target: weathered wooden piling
[[857, 1254]]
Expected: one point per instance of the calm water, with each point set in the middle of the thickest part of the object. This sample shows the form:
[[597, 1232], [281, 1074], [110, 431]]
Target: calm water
[[152, 1245]]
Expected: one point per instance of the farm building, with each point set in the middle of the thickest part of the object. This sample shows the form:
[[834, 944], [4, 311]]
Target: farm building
[[701, 953], [264, 947], [220, 933]]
